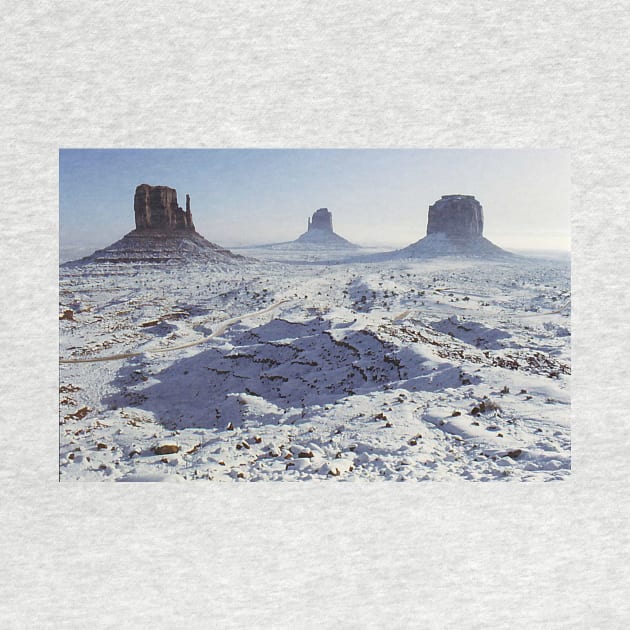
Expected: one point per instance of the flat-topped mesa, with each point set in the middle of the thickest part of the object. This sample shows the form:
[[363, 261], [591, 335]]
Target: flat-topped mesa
[[156, 208], [322, 220], [457, 216]]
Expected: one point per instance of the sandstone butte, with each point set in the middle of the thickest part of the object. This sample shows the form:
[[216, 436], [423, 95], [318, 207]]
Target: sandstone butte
[[454, 228], [164, 232], [320, 232]]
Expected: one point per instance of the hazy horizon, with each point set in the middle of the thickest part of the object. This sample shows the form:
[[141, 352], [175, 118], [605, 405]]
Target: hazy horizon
[[378, 197]]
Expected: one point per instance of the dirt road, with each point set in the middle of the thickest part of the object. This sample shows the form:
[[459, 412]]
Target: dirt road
[[223, 326]]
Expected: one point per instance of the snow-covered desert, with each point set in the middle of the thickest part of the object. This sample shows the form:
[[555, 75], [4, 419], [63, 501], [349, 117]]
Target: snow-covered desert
[[315, 365]]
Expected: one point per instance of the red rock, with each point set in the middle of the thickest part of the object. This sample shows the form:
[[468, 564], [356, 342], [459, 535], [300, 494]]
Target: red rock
[[163, 233], [166, 449], [156, 208]]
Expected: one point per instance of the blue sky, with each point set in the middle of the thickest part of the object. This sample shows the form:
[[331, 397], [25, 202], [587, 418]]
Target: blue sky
[[376, 196]]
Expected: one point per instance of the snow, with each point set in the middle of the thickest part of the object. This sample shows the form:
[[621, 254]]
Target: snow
[[441, 245], [410, 369]]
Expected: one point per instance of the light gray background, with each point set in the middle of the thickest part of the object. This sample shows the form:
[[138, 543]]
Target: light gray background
[[302, 74]]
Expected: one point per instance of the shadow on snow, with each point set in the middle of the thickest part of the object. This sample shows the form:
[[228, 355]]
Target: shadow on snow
[[268, 370]]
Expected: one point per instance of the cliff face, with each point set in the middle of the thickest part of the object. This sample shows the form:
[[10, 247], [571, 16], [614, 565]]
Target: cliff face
[[155, 208], [457, 216], [322, 220]]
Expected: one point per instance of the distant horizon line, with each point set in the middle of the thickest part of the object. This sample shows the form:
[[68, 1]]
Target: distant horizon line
[[361, 244]]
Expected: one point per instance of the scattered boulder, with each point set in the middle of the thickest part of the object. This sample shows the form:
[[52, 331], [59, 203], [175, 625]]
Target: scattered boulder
[[336, 468], [166, 448], [79, 414]]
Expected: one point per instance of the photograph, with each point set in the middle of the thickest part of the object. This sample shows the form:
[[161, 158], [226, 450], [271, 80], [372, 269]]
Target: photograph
[[338, 246], [238, 315]]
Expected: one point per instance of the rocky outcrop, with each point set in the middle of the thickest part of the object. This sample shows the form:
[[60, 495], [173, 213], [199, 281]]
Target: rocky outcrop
[[320, 233], [322, 220], [454, 228], [457, 216], [156, 208], [164, 233], [319, 238]]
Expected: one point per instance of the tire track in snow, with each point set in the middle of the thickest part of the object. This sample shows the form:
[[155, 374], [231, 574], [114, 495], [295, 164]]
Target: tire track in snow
[[219, 331], [401, 316], [556, 312]]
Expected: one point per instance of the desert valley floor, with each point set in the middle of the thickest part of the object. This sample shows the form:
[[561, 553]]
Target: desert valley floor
[[443, 369]]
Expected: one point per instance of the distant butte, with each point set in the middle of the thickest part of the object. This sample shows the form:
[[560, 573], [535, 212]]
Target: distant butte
[[454, 228], [322, 220], [457, 216], [320, 232], [164, 233]]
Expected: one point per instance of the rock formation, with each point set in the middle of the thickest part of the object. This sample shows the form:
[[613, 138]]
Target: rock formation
[[322, 220], [320, 233], [454, 228], [319, 238], [156, 208], [457, 216], [164, 233]]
